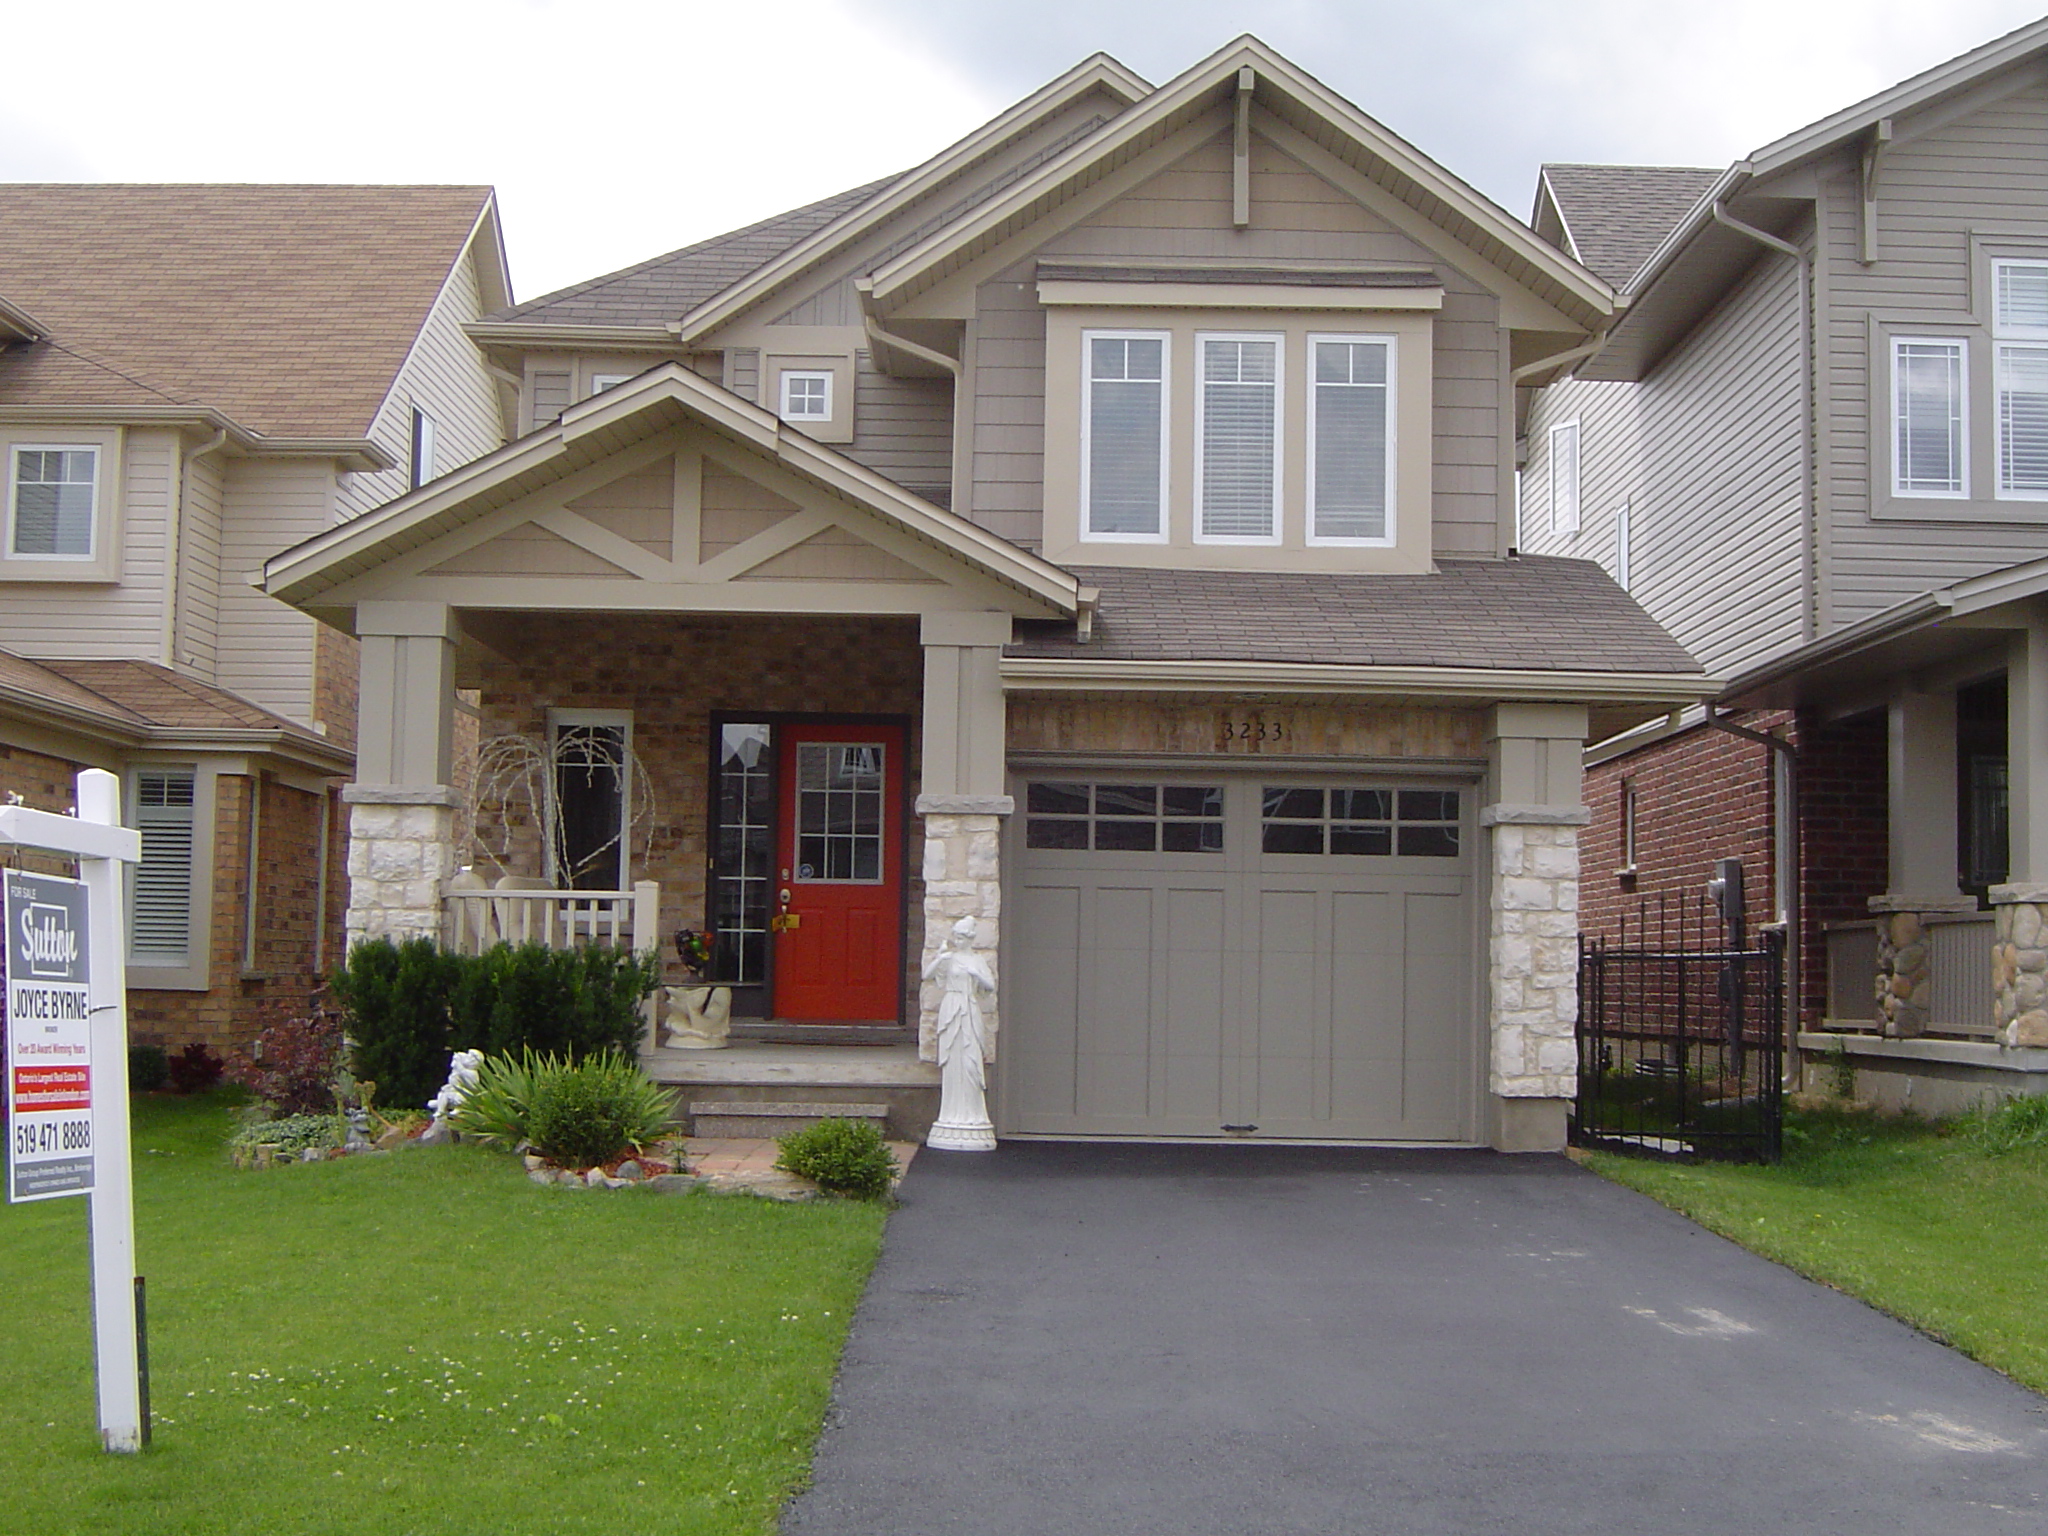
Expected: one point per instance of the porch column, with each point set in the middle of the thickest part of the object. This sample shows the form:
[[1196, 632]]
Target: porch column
[[1921, 840], [962, 796], [403, 810], [1532, 817]]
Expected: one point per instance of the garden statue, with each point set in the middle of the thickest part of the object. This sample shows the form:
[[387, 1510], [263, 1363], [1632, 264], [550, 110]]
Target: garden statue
[[705, 1009], [964, 980], [462, 1081]]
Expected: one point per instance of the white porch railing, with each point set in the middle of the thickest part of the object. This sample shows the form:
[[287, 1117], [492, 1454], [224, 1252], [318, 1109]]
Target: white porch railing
[[472, 920], [1959, 967]]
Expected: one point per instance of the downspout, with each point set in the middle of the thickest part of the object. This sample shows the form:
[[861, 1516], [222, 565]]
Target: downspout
[[879, 333], [174, 547], [1795, 946], [1809, 550]]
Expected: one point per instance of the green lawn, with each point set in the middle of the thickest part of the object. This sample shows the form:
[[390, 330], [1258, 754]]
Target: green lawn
[[425, 1342], [1914, 1219]]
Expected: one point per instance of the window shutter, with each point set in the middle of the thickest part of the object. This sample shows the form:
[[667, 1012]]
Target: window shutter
[[1240, 405], [1928, 417], [160, 924], [1350, 464], [1126, 396], [1564, 478]]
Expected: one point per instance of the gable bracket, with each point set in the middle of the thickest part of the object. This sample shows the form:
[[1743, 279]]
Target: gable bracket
[[1873, 151], [1241, 153]]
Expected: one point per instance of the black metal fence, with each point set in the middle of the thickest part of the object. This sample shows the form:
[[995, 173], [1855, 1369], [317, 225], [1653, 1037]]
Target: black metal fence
[[1681, 1038]]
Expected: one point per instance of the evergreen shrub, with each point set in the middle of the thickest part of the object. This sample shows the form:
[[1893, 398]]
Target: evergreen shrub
[[395, 1000], [594, 1111], [149, 1068], [847, 1157]]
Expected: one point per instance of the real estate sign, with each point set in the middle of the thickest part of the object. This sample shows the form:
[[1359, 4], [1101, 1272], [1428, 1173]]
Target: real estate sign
[[49, 1042]]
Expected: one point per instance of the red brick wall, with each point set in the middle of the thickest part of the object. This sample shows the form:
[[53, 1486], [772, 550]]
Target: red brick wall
[[1844, 838], [44, 783]]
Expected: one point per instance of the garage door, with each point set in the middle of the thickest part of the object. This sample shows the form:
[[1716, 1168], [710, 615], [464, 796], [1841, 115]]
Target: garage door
[[1273, 957]]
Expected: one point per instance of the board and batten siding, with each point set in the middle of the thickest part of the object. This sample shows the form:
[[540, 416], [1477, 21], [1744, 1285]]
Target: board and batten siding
[[196, 639], [1184, 213], [102, 621], [1705, 452], [1987, 172], [444, 375], [266, 648]]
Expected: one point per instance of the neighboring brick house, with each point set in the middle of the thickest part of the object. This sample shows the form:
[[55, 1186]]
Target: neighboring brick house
[[1815, 447], [191, 378], [1100, 532]]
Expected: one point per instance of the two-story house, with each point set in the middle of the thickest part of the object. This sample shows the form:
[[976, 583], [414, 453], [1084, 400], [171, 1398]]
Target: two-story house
[[1815, 446], [192, 378], [1100, 532]]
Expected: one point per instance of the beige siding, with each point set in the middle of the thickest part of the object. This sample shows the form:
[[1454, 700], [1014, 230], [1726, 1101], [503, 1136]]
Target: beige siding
[[1984, 172], [1706, 450], [548, 394], [100, 621], [444, 376], [197, 645], [266, 649], [1185, 213], [903, 428], [743, 371]]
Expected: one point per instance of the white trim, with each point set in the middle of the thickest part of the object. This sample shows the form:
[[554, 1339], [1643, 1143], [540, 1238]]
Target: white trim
[[94, 541], [808, 375], [421, 464], [1558, 526], [1165, 339], [1391, 464], [1960, 429], [1624, 543], [600, 382], [1279, 447]]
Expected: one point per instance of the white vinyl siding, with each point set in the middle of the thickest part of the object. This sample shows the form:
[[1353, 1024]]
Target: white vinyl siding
[[160, 920], [1350, 439], [2020, 321], [1564, 478], [1123, 424], [53, 496], [1237, 469], [1929, 410]]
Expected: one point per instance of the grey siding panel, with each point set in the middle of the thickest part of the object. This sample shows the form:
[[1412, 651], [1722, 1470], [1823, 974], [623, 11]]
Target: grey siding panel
[[1009, 410], [903, 428], [266, 648], [1984, 172], [1707, 452], [743, 371], [199, 553], [550, 394], [89, 621]]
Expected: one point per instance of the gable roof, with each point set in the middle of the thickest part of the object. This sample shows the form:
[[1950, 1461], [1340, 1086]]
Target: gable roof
[[1613, 217], [289, 309], [1298, 101], [594, 430]]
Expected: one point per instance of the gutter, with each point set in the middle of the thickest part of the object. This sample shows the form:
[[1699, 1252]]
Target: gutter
[[173, 546], [1063, 674], [1809, 496]]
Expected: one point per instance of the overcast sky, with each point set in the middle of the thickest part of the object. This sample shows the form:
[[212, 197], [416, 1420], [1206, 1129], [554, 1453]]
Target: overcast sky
[[618, 129]]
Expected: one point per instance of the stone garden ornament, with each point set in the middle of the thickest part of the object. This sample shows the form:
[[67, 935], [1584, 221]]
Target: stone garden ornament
[[964, 981], [462, 1081]]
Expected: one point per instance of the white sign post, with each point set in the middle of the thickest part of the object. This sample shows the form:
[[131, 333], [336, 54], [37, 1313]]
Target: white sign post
[[36, 953]]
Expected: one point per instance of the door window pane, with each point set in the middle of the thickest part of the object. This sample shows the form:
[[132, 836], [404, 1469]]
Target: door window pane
[[741, 880], [839, 812]]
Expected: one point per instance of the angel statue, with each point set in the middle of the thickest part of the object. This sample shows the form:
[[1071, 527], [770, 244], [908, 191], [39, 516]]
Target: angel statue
[[964, 982]]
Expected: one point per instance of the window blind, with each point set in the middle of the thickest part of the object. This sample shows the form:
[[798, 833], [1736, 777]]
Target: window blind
[[1126, 399], [1928, 412], [1240, 411], [160, 921], [2022, 312], [1349, 467], [53, 501]]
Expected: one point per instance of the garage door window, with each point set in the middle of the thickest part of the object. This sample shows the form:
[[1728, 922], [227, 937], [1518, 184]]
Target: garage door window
[[1125, 818], [1415, 823]]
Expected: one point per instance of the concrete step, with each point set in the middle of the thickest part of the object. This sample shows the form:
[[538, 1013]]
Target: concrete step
[[777, 1117]]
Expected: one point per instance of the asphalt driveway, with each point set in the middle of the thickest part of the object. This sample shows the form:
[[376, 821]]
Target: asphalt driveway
[[1064, 1340]]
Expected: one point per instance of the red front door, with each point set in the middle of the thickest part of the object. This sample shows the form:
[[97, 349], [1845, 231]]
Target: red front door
[[839, 874]]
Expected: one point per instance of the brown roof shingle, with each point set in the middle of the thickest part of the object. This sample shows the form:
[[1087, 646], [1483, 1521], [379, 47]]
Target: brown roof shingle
[[289, 308], [1532, 612], [1617, 215], [142, 694]]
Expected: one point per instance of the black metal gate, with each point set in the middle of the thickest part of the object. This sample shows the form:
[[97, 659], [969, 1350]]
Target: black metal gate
[[1681, 1039]]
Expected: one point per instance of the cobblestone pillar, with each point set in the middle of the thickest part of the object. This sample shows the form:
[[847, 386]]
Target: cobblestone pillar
[[401, 848], [962, 878], [2019, 964], [1533, 956], [1905, 971]]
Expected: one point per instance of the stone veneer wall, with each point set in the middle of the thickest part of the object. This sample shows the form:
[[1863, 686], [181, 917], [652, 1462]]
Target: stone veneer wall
[[2019, 964], [962, 878], [1533, 970]]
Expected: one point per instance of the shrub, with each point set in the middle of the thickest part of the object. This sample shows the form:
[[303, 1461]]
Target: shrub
[[149, 1067], [195, 1069], [594, 1111], [498, 1108], [847, 1157], [394, 998], [291, 1133], [294, 1065]]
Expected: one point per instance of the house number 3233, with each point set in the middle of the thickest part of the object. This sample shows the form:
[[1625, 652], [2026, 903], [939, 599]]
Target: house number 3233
[[1244, 733]]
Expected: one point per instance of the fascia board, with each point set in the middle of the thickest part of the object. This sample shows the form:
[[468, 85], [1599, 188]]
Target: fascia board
[[1024, 674], [352, 452], [23, 325], [140, 735], [532, 334], [1900, 619], [494, 268], [1097, 72], [39, 709]]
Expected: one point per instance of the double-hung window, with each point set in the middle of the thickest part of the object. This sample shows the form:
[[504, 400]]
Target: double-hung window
[[1350, 439], [1930, 408], [53, 496], [1237, 469], [1123, 451], [1564, 477], [2020, 326]]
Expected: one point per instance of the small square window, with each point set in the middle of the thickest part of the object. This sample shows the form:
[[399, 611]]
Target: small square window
[[53, 493], [806, 397]]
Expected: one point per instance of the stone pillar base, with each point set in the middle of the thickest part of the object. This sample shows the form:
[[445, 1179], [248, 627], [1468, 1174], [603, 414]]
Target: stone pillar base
[[2019, 964], [1533, 952], [401, 851], [1529, 1125], [962, 878]]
